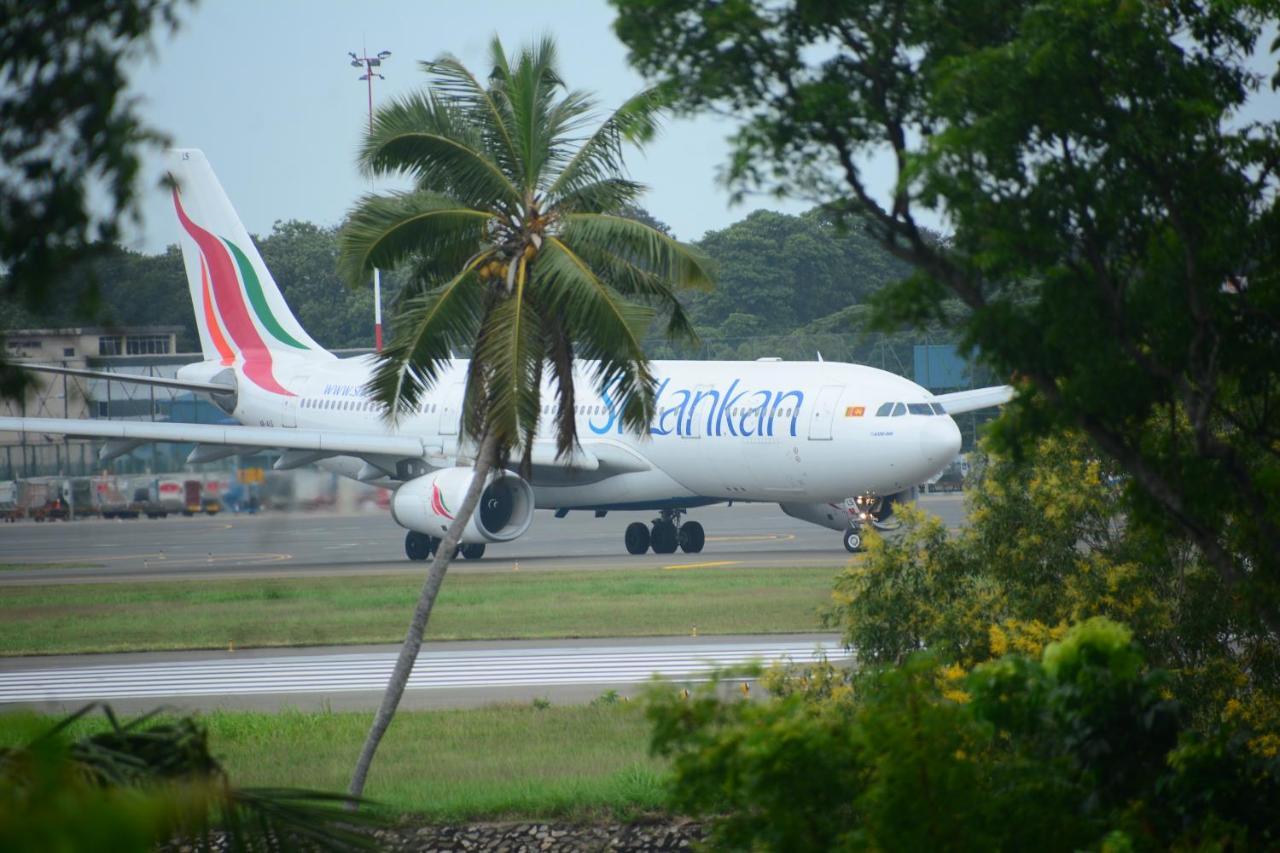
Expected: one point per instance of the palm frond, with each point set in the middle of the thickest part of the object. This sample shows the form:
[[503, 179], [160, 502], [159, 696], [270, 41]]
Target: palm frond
[[651, 289], [428, 330], [607, 195], [454, 83], [442, 148], [527, 92], [600, 157], [605, 327], [646, 248], [509, 347], [169, 761], [385, 230]]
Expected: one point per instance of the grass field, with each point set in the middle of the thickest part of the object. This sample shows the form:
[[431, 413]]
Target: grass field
[[573, 762], [27, 567], [63, 619]]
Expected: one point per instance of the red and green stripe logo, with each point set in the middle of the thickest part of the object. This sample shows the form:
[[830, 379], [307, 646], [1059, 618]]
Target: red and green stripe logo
[[437, 502], [220, 260]]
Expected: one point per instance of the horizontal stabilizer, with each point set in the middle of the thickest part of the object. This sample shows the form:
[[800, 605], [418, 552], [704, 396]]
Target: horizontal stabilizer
[[134, 378], [978, 398]]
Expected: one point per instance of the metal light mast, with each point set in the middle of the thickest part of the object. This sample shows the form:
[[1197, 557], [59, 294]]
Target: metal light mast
[[368, 63]]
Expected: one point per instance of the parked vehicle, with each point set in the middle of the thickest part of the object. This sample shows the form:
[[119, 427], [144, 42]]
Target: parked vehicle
[[146, 500], [192, 497], [34, 499]]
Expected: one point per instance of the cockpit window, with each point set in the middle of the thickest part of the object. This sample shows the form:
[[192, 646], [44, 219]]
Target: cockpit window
[[938, 409], [919, 409], [899, 410], [883, 411]]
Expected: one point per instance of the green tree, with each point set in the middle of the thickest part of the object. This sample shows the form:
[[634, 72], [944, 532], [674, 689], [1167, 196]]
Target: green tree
[[517, 254], [1047, 545], [64, 126], [1077, 747], [1114, 215], [303, 258], [791, 269]]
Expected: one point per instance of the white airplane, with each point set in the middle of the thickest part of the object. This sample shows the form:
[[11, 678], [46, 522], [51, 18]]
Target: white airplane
[[806, 435]]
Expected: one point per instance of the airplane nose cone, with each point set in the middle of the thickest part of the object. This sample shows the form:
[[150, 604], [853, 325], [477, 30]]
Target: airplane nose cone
[[940, 441]]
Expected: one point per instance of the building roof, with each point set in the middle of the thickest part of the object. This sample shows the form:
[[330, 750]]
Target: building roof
[[95, 330]]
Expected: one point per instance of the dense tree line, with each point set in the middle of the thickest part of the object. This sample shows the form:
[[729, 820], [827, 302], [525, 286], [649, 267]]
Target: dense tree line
[[788, 286]]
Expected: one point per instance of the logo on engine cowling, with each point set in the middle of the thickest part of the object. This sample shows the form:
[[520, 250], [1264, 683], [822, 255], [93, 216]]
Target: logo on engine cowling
[[437, 503]]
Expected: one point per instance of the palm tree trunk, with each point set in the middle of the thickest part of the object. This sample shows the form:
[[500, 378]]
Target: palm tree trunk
[[485, 461]]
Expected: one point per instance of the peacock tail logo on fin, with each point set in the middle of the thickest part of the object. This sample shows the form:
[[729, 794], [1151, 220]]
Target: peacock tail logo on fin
[[220, 260]]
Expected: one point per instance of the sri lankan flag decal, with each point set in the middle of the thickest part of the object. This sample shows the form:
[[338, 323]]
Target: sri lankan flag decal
[[855, 411]]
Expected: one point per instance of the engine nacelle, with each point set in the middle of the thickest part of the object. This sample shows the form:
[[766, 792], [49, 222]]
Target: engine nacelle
[[428, 504]]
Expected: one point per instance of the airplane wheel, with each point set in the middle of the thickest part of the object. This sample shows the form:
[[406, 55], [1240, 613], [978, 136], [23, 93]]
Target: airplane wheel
[[473, 552], [636, 538], [692, 537], [417, 546], [662, 538], [852, 541]]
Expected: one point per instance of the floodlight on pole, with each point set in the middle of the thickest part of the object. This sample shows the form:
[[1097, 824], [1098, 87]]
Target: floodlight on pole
[[368, 63]]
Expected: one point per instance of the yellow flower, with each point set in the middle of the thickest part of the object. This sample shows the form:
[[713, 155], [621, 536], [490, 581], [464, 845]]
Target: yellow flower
[[999, 641]]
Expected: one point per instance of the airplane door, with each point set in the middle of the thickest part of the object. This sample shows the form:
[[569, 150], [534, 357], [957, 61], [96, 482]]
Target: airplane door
[[290, 418], [451, 409], [824, 412]]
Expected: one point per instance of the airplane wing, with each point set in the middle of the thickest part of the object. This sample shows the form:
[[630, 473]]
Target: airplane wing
[[978, 398], [157, 381], [300, 446], [215, 441]]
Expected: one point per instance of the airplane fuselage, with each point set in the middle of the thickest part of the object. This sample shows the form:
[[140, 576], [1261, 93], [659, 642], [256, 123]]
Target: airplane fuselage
[[745, 430]]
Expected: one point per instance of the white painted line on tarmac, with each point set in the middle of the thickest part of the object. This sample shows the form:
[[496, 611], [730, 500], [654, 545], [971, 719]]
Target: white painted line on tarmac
[[370, 671]]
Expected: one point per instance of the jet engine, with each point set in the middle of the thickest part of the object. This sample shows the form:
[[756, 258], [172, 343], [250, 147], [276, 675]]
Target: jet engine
[[429, 503]]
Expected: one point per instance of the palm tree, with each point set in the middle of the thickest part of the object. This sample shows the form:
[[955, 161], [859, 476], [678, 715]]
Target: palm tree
[[154, 781], [516, 251]]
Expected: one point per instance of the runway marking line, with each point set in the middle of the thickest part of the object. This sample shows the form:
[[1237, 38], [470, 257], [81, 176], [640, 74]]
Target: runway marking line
[[701, 565], [769, 537]]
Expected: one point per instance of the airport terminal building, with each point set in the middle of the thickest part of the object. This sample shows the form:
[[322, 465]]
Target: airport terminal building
[[146, 350]]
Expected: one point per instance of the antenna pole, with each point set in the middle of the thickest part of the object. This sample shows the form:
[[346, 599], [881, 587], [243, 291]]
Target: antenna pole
[[369, 63]]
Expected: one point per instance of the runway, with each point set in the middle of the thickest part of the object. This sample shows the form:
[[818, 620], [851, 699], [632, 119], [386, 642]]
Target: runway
[[299, 545], [446, 674]]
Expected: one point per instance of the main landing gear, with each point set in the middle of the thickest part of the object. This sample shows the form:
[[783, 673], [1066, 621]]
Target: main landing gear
[[853, 538], [665, 535], [420, 546]]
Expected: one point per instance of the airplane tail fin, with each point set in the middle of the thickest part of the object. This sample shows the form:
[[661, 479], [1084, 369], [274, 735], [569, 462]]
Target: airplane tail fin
[[240, 312]]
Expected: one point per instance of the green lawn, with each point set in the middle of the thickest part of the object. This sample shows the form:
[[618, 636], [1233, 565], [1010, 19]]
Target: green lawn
[[71, 618], [517, 762]]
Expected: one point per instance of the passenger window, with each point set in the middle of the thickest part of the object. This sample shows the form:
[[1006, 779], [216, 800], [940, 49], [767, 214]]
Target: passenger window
[[883, 411], [919, 409], [899, 410]]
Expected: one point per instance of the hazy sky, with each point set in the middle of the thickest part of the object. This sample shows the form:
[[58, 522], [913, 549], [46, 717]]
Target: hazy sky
[[265, 89]]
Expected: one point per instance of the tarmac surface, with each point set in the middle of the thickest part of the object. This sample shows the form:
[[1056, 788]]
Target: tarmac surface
[[351, 677], [328, 544]]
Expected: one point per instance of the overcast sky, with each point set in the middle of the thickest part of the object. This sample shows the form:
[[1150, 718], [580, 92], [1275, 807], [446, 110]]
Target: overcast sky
[[266, 90]]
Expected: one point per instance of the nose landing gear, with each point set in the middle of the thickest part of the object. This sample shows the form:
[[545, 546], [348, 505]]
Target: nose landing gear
[[666, 535]]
